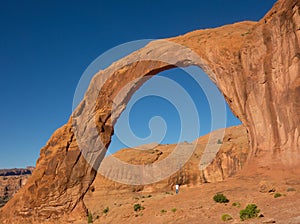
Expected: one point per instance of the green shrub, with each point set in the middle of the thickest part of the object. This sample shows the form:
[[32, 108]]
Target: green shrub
[[226, 217], [138, 207], [236, 204], [220, 198], [90, 218], [106, 210], [277, 195], [219, 141], [249, 212], [174, 210]]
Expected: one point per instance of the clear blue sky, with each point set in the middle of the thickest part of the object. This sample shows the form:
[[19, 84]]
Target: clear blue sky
[[45, 46]]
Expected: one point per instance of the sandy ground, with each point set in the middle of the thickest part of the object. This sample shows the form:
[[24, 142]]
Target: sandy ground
[[196, 204]]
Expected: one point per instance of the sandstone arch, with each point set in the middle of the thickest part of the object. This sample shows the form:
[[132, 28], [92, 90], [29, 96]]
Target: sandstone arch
[[255, 65]]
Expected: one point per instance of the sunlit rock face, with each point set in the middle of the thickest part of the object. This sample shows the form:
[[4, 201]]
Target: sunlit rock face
[[254, 64], [231, 158]]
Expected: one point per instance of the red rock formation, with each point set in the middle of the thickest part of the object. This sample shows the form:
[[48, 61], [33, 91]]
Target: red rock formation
[[254, 64], [11, 180], [231, 158]]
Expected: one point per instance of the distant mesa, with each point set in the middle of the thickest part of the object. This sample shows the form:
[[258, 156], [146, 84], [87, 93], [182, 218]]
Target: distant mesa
[[16, 171], [11, 180]]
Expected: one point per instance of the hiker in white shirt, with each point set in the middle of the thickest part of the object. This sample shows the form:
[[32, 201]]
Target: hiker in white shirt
[[177, 188]]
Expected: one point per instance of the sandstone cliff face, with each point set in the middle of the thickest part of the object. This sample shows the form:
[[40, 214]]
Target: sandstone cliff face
[[254, 64], [270, 66], [56, 185], [231, 158]]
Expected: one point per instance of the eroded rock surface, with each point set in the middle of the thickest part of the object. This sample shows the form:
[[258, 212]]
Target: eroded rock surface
[[254, 64], [11, 180], [231, 158]]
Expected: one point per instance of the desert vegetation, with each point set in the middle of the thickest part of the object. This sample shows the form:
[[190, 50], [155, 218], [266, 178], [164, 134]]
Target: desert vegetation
[[249, 212], [138, 207], [226, 217], [220, 198]]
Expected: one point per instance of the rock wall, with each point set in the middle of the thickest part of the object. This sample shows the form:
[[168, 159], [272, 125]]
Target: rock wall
[[254, 64], [231, 158]]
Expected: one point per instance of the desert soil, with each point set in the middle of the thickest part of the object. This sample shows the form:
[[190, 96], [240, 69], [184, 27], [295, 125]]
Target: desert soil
[[196, 204]]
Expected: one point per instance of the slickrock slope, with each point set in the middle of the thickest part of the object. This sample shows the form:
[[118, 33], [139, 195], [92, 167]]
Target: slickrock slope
[[254, 64], [232, 157]]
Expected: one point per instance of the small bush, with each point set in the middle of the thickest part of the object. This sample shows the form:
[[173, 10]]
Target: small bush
[[138, 207], [219, 141], [236, 204], [277, 195], [226, 217], [249, 212], [106, 210], [174, 210], [220, 198], [163, 211], [90, 218]]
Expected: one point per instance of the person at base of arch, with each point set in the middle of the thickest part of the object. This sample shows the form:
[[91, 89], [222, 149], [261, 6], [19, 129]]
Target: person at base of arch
[[177, 188]]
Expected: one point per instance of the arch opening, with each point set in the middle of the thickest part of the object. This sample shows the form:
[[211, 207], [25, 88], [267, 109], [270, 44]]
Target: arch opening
[[133, 127], [111, 90], [173, 107]]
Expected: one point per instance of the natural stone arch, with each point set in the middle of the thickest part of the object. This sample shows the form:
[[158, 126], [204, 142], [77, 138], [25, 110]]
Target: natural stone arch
[[102, 105], [256, 67]]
